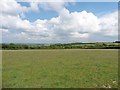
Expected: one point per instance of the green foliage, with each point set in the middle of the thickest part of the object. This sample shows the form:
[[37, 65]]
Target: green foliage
[[96, 45]]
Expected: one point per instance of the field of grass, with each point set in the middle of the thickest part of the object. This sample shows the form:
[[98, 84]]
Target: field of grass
[[60, 68]]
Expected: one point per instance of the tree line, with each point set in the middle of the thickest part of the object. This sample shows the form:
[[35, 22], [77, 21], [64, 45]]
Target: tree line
[[97, 45]]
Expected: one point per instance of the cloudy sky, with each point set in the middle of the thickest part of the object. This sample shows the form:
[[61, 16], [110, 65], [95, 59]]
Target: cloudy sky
[[58, 22]]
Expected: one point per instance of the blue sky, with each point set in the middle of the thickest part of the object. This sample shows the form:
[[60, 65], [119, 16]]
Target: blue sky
[[63, 22], [98, 8]]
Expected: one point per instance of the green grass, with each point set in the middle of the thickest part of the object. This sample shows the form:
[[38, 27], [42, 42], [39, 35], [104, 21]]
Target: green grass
[[60, 68]]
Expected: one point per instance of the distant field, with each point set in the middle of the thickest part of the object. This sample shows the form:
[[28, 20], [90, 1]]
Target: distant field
[[60, 68]]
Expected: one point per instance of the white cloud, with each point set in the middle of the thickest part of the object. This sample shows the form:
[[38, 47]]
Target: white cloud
[[66, 27], [109, 24], [50, 5], [4, 30], [75, 24], [11, 7], [14, 22], [78, 35], [34, 6], [56, 6]]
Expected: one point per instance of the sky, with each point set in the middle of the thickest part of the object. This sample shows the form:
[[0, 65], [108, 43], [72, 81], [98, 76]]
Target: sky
[[58, 22]]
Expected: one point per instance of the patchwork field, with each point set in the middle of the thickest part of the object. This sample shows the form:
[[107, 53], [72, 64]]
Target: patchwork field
[[86, 68]]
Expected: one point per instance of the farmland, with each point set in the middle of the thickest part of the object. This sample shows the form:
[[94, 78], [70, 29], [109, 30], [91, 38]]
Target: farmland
[[69, 68]]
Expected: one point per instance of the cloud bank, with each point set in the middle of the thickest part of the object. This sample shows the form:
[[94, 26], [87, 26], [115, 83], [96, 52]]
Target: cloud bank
[[66, 27]]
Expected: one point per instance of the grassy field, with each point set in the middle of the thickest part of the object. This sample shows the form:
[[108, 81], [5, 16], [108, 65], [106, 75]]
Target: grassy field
[[60, 68]]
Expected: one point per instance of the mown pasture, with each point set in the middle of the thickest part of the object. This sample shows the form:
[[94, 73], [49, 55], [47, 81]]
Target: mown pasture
[[73, 68]]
